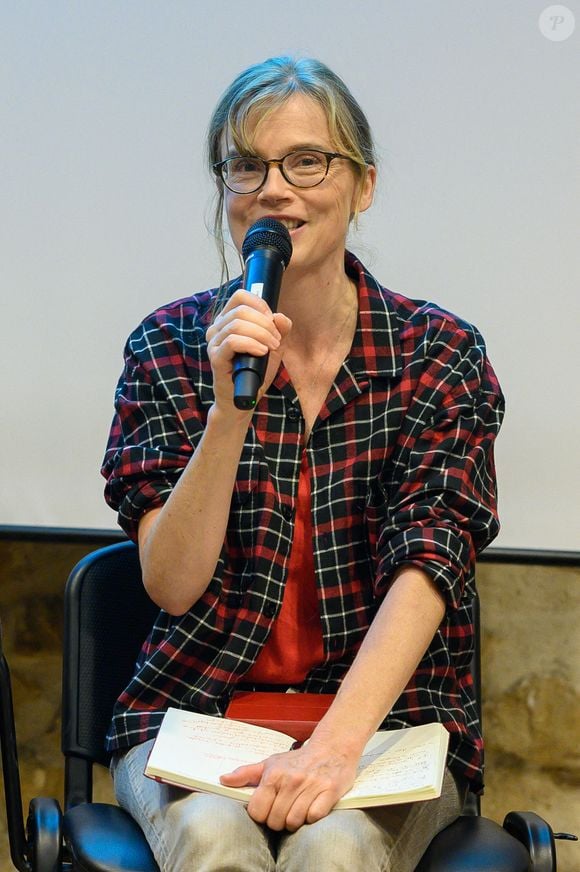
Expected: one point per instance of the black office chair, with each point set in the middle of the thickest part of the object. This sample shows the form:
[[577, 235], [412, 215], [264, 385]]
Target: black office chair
[[107, 617]]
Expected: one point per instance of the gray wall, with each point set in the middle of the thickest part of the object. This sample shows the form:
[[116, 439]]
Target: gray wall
[[104, 196]]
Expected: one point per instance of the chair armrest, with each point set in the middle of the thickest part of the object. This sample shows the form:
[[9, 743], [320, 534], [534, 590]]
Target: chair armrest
[[536, 834], [474, 844], [44, 832], [104, 838]]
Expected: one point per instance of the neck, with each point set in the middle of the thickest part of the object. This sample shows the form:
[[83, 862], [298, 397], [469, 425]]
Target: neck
[[317, 309], [323, 325]]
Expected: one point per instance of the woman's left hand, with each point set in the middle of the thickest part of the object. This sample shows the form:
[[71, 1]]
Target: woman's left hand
[[297, 787]]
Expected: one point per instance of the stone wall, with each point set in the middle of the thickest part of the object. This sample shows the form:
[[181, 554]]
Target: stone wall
[[531, 688], [531, 680]]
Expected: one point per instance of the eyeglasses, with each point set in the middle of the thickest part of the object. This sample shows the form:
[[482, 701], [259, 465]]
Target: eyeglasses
[[303, 169]]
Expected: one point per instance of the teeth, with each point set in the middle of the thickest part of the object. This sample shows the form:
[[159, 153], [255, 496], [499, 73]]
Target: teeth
[[289, 223]]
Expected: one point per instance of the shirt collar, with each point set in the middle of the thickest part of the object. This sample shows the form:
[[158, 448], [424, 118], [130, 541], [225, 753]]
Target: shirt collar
[[376, 348]]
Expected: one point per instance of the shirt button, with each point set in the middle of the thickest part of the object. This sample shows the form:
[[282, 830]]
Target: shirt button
[[288, 512], [293, 414], [270, 610]]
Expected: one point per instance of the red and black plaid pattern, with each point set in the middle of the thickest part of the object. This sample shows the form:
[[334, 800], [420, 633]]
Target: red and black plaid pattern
[[402, 472]]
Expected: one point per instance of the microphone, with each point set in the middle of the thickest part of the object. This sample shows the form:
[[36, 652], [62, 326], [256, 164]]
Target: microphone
[[266, 251]]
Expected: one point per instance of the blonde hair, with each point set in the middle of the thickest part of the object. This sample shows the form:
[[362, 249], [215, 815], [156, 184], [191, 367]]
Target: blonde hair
[[262, 88]]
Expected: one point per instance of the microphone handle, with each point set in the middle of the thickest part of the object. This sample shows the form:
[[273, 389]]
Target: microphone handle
[[263, 272]]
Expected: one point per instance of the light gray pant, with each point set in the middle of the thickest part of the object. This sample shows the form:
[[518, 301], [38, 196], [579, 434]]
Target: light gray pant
[[202, 832]]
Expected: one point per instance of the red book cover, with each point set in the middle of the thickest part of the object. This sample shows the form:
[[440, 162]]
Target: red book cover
[[295, 714]]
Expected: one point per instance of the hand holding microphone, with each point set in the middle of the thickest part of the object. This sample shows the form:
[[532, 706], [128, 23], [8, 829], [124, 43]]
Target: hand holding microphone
[[266, 250]]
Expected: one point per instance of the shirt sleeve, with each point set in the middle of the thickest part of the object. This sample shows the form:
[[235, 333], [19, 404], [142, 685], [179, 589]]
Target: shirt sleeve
[[158, 421], [442, 495]]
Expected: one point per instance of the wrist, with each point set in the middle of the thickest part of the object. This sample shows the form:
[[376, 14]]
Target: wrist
[[343, 739], [228, 421]]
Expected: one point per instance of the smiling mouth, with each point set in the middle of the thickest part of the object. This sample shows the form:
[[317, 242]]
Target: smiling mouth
[[289, 223]]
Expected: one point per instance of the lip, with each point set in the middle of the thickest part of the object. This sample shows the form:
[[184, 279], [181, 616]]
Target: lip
[[290, 218]]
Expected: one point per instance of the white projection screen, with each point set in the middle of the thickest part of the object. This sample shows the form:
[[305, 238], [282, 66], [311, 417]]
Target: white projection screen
[[105, 201]]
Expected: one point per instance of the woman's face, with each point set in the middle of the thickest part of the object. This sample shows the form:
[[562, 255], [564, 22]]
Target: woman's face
[[317, 218]]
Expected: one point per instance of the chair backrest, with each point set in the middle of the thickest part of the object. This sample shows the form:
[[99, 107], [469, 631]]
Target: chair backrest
[[107, 616]]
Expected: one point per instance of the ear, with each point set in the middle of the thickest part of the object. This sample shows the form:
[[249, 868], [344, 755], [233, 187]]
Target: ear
[[367, 189]]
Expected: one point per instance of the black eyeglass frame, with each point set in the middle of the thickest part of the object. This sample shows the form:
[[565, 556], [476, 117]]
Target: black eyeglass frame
[[329, 155]]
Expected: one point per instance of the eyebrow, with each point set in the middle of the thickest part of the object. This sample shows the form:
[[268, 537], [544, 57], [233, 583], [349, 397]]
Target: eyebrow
[[301, 146]]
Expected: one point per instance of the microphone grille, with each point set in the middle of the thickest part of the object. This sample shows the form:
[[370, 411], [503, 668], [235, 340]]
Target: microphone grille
[[268, 233]]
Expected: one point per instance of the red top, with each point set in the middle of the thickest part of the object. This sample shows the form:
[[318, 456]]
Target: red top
[[295, 645]]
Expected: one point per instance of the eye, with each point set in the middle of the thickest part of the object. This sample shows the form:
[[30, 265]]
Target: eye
[[307, 161], [237, 166]]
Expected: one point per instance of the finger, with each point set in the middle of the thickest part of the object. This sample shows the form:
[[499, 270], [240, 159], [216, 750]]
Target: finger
[[311, 802], [289, 809], [321, 806], [245, 310], [241, 297], [263, 331], [261, 802], [244, 322], [222, 355], [297, 814], [275, 797], [223, 347], [243, 776]]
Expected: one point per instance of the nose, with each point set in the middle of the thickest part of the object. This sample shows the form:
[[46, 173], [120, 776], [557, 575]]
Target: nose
[[275, 185]]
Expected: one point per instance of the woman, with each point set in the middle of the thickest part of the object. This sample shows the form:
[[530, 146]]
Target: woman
[[324, 541]]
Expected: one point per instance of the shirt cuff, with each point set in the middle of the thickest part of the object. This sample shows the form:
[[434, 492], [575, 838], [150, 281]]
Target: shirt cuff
[[446, 556]]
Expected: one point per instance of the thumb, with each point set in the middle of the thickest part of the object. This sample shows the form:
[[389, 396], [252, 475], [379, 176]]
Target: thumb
[[283, 323], [243, 776]]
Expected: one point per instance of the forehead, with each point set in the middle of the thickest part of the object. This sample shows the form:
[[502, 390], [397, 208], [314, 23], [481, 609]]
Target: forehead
[[298, 121]]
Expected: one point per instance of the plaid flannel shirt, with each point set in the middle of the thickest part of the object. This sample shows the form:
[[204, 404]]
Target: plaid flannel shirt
[[402, 472]]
